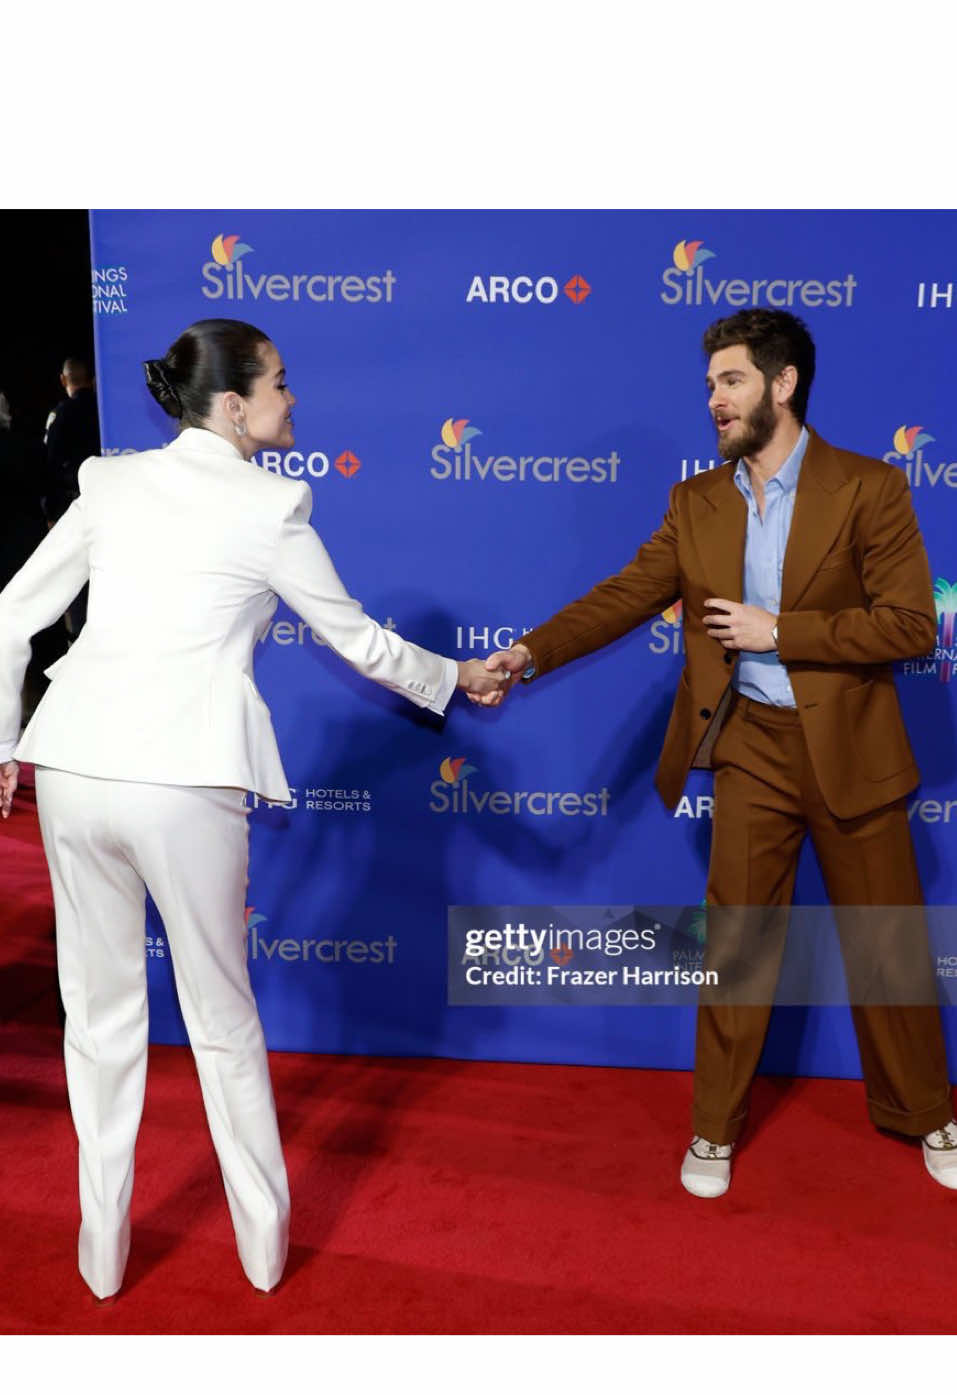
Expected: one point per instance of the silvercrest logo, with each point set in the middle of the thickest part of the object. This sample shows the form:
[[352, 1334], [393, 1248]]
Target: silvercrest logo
[[452, 794], [454, 459], [686, 283], [225, 278]]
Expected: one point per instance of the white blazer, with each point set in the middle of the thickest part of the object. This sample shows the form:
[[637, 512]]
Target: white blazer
[[186, 549]]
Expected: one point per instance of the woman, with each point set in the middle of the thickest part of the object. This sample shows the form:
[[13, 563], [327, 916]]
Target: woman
[[145, 744]]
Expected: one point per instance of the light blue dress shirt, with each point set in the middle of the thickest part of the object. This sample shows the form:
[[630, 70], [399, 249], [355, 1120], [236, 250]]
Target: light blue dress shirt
[[763, 676]]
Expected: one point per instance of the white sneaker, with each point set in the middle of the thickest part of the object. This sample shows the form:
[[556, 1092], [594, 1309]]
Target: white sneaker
[[706, 1170], [940, 1154]]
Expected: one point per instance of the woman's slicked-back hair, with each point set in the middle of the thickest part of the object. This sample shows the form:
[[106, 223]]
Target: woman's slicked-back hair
[[211, 356]]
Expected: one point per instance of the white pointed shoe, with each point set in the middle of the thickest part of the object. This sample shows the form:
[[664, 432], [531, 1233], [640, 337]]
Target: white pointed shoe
[[940, 1154], [706, 1170]]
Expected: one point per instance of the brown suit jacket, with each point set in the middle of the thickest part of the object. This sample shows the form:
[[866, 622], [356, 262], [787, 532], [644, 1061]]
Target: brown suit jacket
[[856, 594]]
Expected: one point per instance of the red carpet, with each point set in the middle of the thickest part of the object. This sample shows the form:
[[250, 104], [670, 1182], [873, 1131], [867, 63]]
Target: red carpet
[[452, 1197]]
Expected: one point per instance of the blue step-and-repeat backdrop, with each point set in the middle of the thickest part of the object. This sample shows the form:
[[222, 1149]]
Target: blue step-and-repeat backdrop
[[492, 408]]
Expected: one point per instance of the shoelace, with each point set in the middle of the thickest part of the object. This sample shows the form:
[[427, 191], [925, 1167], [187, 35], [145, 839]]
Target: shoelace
[[947, 1139], [713, 1154]]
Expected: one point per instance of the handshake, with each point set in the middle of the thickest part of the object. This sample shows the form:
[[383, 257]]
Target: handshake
[[488, 683]]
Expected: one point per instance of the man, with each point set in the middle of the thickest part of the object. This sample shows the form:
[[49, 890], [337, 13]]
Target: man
[[22, 486], [73, 435], [803, 576]]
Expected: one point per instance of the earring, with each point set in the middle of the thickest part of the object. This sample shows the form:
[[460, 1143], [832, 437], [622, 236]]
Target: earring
[[240, 428]]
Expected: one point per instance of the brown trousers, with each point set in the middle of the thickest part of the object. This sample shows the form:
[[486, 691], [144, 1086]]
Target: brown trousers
[[766, 800]]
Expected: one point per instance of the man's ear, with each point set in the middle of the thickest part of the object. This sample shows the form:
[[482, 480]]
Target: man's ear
[[785, 385]]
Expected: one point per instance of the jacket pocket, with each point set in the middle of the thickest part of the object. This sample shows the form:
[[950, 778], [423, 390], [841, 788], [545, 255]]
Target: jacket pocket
[[877, 733]]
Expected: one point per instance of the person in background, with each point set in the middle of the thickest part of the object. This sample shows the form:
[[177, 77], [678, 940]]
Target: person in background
[[22, 528], [21, 482], [72, 436], [145, 745]]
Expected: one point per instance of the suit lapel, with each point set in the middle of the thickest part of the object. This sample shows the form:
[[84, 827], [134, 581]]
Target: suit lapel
[[824, 497], [720, 523], [823, 500]]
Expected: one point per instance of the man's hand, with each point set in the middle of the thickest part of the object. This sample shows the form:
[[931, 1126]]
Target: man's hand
[[504, 667], [737, 626], [9, 771], [479, 683], [510, 664]]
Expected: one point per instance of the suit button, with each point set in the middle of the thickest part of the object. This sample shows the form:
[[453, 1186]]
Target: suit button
[[705, 712]]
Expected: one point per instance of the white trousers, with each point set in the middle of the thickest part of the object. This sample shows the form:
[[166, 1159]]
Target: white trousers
[[106, 841]]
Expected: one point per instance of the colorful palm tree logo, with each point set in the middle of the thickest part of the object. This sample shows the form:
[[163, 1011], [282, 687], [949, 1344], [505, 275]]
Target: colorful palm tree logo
[[689, 255], [455, 768], [697, 926], [945, 600], [907, 439], [456, 433], [227, 250]]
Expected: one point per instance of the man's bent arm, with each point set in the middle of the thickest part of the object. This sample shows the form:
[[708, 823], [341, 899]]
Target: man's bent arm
[[645, 587], [901, 620]]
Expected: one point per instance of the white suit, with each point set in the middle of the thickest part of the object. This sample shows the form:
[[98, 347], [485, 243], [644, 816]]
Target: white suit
[[150, 733]]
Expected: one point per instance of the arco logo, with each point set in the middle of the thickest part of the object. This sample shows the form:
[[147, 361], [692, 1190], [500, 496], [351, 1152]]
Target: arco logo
[[348, 464], [454, 768], [907, 439], [456, 433], [226, 250], [688, 255], [524, 290], [673, 613], [577, 289], [251, 919]]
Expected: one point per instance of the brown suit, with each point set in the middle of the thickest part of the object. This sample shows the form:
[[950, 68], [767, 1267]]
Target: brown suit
[[856, 594]]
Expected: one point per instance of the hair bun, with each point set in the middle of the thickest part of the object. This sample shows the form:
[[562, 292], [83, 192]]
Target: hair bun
[[160, 386]]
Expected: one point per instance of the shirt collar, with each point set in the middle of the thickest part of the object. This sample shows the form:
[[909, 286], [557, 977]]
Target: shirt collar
[[786, 477], [197, 438]]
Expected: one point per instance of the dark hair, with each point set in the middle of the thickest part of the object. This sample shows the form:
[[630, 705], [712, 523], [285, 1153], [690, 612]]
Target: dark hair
[[211, 356], [774, 339], [77, 370]]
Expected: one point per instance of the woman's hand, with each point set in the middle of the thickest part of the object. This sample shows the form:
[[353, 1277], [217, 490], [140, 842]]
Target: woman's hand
[[9, 771], [480, 684]]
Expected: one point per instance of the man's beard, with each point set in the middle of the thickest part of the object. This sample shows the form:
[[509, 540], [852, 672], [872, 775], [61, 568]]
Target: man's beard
[[756, 429]]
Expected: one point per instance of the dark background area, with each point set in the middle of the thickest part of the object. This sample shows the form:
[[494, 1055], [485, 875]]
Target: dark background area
[[47, 312]]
